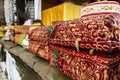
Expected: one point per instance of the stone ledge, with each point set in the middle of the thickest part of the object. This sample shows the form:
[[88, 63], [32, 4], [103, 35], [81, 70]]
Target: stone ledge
[[7, 44], [16, 50], [39, 65], [28, 58]]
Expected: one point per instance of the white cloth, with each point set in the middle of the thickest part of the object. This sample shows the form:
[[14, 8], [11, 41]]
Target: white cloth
[[11, 67], [28, 22]]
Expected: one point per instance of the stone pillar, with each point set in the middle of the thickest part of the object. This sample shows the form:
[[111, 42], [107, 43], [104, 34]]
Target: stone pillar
[[8, 11], [37, 7], [15, 19]]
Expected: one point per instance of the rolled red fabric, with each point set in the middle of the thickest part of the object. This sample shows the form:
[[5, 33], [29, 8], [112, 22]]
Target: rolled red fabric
[[82, 66], [99, 32], [39, 50], [38, 42]]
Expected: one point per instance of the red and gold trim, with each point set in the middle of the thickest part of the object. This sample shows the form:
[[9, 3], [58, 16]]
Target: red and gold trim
[[103, 7]]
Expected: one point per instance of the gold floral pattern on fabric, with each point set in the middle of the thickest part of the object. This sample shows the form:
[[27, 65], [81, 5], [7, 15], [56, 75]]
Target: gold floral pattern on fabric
[[99, 32], [102, 7], [38, 42], [79, 68]]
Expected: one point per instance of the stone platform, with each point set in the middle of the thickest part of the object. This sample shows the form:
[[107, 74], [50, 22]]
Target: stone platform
[[39, 65]]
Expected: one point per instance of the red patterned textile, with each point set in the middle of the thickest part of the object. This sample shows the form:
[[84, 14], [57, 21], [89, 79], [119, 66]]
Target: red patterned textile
[[38, 49], [38, 42], [39, 34], [82, 66], [99, 32]]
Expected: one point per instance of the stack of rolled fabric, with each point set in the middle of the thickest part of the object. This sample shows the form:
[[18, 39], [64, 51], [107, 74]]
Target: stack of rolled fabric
[[100, 32], [21, 29], [38, 41], [96, 37], [82, 66], [19, 38], [21, 32]]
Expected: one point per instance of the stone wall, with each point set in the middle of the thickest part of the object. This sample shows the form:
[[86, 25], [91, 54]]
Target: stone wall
[[2, 17]]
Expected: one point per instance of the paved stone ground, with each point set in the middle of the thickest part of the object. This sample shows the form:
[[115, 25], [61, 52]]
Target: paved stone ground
[[2, 69], [3, 75]]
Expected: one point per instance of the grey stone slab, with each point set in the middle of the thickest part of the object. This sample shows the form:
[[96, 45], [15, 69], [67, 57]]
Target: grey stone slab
[[16, 50], [48, 73], [41, 65], [28, 58], [8, 44]]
